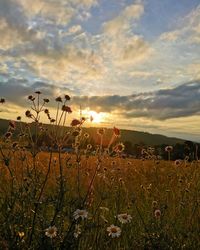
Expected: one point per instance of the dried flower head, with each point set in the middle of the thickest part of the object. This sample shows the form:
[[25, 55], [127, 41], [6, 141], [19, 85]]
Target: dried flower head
[[2, 100], [37, 92], [51, 232], [46, 100], [114, 231], [19, 118], [168, 148], [31, 98], [76, 132], [28, 114], [157, 213], [67, 97], [154, 204], [58, 99], [101, 131], [86, 135], [177, 162], [66, 109], [8, 135], [119, 148], [89, 146], [75, 122]]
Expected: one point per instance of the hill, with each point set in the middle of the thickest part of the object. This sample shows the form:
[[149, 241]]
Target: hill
[[135, 137]]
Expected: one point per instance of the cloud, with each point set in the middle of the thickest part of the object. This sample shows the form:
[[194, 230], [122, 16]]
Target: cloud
[[22, 88], [187, 30], [181, 101], [123, 21]]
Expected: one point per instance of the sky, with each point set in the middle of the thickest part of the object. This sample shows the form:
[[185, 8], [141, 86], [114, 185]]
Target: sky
[[135, 63]]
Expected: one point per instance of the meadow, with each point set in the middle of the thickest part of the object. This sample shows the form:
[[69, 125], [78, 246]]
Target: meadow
[[94, 197]]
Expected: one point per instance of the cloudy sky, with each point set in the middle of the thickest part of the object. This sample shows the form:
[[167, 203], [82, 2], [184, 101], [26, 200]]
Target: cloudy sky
[[135, 63]]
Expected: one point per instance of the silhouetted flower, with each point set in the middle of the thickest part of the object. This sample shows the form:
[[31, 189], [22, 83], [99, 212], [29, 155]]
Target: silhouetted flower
[[67, 97], [28, 114], [75, 122], [58, 99], [66, 109], [31, 98], [46, 100], [2, 100]]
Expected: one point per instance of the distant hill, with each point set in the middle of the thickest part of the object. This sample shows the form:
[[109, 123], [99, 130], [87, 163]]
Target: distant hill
[[135, 137]]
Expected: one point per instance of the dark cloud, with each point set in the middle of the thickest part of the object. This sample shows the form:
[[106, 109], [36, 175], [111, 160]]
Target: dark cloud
[[15, 90], [180, 101]]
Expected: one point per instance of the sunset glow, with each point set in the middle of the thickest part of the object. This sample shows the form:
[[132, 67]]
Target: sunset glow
[[138, 59]]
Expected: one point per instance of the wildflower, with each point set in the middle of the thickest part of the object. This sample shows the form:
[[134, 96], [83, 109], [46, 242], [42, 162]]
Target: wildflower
[[46, 100], [157, 213], [67, 97], [154, 204], [75, 122], [31, 98], [2, 100], [168, 148], [8, 135], [28, 114], [58, 99], [15, 144], [116, 131], [66, 109], [46, 111], [114, 231], [89, 146], [86, 135], [80, 213], [76, 133], [77, 231], [101, 131], [177, 162], [124, 218], [51, 232], [119, 148]]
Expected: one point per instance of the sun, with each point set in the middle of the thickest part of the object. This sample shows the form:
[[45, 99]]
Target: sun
[[95, 117]]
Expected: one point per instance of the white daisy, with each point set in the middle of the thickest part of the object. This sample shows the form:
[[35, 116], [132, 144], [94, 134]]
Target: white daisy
[[83, 214], [51, 232], [124, 218], [114, 231]]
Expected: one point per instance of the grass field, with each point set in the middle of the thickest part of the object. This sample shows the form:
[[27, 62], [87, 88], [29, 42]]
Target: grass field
[[161, 198], [88, 199]]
